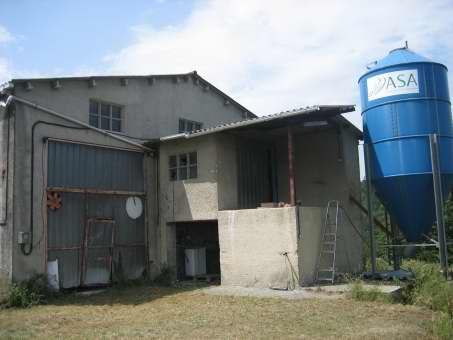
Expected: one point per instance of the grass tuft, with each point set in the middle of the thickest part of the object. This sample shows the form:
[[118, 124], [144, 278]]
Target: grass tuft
[[359, 292]]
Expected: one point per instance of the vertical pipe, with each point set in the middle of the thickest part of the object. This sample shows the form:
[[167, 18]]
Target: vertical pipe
[[370, 209], [292, 190], [387, 228], [438, 200], [395, 241]]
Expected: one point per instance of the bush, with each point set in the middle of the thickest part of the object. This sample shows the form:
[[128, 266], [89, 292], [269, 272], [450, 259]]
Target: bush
[[429, 288], [29, 292], [166, 277], [359, 292]]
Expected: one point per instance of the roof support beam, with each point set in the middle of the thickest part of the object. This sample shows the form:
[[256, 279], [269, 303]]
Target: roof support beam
[[291, 180]]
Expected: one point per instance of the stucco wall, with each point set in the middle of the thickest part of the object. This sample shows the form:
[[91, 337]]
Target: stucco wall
[[5, 204], [252, 246], [150, 111], [25, 266], [186, 200]]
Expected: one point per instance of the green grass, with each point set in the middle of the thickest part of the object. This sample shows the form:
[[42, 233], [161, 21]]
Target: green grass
[[153, 312]]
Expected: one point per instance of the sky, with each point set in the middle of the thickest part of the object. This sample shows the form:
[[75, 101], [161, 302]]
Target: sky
[[268, 55]]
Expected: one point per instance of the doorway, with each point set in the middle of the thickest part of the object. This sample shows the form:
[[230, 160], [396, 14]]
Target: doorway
[[200, 238]]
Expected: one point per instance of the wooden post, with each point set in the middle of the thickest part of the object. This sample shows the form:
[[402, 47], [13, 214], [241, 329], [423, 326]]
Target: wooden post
[[292, 190]]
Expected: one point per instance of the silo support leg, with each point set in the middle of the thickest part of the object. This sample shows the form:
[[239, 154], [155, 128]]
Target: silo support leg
[[438, 200], [370, 209]]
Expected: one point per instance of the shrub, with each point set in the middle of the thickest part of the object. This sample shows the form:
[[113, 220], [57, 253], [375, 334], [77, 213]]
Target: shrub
[[29, 292], [166, 276], [429, 288]]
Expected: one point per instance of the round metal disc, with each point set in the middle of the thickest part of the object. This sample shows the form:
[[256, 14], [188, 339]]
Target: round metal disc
[[134, 207]]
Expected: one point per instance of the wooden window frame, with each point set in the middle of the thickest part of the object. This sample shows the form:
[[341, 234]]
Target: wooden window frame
[[190, 168], [111, 119]]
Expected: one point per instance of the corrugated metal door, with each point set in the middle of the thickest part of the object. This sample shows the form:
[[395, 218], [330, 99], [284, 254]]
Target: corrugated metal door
[[93, 184]]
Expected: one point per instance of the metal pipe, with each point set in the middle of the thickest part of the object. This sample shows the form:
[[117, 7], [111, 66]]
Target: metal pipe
[[438, 200], [396, 258], [292, 190], [5, 217], [370, 207]]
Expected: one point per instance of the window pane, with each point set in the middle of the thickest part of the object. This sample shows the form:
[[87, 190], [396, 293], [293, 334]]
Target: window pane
[[189, 126], [172, 162], [173, 176], [183, 160], [105, 110], [105, 123], [116, 125], [94, 120], [94, 107], [182, 126], [193, 172], [116, 111], [192, 158], [182, 173]]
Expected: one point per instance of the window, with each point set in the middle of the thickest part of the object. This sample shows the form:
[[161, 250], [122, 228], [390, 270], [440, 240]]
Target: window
[[105, 116], [183, 166], [186, 125]]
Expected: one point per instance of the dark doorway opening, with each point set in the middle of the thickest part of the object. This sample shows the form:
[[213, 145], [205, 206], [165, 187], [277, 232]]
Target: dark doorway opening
[[200, 237]]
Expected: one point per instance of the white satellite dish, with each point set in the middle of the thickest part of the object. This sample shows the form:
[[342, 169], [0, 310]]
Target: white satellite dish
[[134, 207]]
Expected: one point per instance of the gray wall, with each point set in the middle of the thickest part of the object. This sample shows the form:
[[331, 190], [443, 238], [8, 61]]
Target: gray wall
[[150, 111], [186, 200], [252, 247], [5, 229], [25, 266]]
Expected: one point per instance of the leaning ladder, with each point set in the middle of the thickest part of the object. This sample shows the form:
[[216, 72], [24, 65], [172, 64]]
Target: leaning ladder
[[326, 262]]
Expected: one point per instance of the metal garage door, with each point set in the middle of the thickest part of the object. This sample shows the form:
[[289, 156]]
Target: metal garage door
[[89, 231]]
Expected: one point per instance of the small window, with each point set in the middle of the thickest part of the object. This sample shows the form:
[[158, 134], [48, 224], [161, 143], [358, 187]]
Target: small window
[[105, 116], [186, 125], [183, 166]]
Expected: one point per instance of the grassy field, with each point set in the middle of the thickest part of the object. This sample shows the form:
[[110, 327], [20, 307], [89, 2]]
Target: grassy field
[[175, 313]]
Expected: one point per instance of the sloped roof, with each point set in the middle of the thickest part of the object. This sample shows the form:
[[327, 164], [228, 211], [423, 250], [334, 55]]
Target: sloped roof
[[309, 113], [203, 82]]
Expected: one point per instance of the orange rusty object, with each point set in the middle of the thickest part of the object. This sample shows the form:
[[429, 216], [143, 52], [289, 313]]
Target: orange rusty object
[[53, 201]]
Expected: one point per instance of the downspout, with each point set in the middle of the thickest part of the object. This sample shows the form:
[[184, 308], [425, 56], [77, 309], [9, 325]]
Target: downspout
[[5, 217]]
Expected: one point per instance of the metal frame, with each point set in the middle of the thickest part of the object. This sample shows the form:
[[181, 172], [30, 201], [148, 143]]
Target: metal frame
[[85, 248], [438, 200]]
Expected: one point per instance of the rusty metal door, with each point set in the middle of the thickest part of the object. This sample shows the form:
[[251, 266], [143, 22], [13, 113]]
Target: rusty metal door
[[98, 252]]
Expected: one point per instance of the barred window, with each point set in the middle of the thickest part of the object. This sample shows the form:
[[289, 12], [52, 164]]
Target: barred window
[[105, 116], [183, 166]]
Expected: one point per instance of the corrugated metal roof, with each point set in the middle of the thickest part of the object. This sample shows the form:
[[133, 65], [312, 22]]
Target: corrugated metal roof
[[318, 111]]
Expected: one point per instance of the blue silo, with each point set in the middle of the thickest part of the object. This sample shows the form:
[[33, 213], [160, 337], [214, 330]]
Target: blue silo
[[405, 98]]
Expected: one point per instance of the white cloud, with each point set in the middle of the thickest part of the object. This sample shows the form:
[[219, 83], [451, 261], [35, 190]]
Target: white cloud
[[276, 55], [5, 36]]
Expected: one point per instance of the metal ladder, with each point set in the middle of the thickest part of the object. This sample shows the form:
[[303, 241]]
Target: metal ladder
[[326, 262]]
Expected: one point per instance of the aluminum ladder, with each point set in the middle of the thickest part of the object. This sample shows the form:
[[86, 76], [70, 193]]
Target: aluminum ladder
[[326, 262]]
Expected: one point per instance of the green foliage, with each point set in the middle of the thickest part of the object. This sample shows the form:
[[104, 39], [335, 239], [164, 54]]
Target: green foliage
[[166, 277], [443, 327], [29, 292], [359, 292], [429, 287]]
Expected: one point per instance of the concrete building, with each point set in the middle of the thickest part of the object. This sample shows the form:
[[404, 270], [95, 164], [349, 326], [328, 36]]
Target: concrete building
[[114, 177]]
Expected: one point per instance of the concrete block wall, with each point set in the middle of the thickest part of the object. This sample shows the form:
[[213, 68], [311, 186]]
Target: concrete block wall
[[252, 247], [150, 111]]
